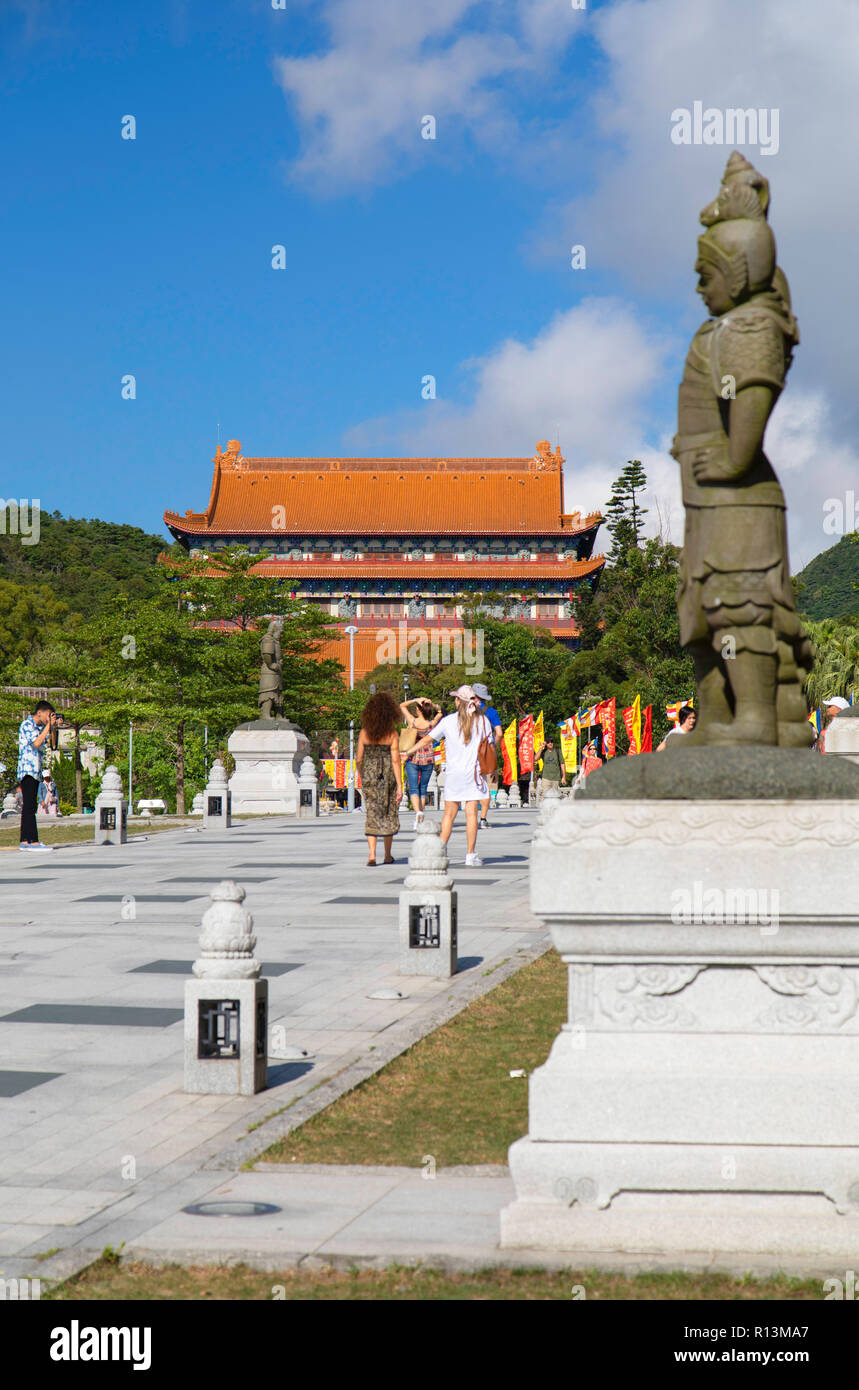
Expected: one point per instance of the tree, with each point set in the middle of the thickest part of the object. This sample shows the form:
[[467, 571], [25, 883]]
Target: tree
[[226, 589], [85, 562], [836, 660], [624, 512], [26, 612]]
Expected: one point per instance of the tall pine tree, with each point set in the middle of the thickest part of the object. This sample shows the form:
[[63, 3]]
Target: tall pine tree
[[624, 513]]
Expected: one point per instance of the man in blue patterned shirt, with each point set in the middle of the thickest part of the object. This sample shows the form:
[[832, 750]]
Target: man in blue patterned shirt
[[35, 729]]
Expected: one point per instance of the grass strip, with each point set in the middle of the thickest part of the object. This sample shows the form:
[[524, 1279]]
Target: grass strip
[[132, 1282], [77, 834], [450, 1096]]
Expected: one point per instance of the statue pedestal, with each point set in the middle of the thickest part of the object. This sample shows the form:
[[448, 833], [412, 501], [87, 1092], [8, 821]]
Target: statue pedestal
[[268, 754], [699, 1099]]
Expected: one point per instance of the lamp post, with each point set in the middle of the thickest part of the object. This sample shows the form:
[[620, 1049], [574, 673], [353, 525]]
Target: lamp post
[[350, 798]]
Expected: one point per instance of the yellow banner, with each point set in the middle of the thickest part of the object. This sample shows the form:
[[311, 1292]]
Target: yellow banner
[[539, 733], [569, 747], [511, 766]]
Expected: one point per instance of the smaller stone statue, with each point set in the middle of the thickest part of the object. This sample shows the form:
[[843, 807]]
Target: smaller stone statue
[[270, 699]]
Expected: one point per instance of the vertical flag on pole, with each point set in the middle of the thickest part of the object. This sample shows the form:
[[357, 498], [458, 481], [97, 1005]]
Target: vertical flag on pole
[[526, 744], [508, 749], [539, 732], [606, 711], [647, 731], [632, 724], [569, 746]]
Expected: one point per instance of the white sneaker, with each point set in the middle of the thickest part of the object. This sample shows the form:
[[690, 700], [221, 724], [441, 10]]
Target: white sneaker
[[473, 861], [40, 848]]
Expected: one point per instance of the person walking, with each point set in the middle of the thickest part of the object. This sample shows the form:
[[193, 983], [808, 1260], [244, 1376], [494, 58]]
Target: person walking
[[34, 731], [552, 773], [464, 783], [378, 761], [686, 720], [49, 799], [419, 767], [497, 734], [832, 707]]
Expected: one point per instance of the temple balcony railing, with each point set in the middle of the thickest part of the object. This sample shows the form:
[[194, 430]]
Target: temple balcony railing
[[566, 627]]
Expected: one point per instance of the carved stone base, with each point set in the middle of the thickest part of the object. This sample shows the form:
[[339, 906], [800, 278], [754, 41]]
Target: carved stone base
[[268, 757], [700, 1095]]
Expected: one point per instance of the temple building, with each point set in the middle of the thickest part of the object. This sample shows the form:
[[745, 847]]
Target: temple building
[[380, 542]]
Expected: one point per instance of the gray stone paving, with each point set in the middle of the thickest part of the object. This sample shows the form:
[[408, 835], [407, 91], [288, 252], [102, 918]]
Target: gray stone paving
[[109, 1148]]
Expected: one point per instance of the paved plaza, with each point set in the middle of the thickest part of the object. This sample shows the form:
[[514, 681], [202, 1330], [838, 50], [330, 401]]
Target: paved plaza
[[99, 1144]]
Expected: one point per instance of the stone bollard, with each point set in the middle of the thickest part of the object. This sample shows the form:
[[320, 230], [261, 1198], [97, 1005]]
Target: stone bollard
[[111, 811], [197, 805], [217, 799], [226, 1007], [514, 797], [502, 800], [428, 944], [9, 807], [549, 804], [432, 791], [308, 789]]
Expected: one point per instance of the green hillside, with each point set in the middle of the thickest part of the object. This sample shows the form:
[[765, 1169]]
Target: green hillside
[[82, 561], [828, 584]]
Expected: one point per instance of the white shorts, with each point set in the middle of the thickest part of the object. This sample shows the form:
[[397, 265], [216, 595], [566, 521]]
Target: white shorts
[[460, 786]]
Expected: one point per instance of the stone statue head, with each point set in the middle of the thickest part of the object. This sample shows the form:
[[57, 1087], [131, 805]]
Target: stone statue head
[[275, 627], [735, 259]]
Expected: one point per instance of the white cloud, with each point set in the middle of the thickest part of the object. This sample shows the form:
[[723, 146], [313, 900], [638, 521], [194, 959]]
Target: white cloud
[[390, 62], [586, 379], [640, 216]]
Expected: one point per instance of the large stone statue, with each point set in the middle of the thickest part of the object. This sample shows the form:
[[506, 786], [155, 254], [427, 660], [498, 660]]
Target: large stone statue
[[270, 699], [737, 613]]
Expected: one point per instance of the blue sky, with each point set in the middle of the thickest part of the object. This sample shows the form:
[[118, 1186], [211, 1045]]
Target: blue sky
[[404, 256]]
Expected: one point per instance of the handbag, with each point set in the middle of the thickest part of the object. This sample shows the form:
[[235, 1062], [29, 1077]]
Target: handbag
[[408, 739], [487, 758]]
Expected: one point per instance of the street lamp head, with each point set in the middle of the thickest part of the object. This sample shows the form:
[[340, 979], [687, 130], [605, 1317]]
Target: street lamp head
[[350, 630]]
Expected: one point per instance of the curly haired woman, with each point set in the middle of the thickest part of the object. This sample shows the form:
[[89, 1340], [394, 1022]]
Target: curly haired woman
[[378, 761]]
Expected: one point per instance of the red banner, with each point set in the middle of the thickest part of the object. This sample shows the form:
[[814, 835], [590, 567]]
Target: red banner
[[340, 772], [606, 712], [647, 731], [526, 744], [632, 724]]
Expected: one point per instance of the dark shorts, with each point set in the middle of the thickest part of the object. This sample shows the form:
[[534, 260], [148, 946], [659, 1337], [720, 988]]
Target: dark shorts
[[418, 778]]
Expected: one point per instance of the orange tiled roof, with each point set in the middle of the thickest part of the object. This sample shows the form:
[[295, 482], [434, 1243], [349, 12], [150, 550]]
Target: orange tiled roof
[[463, 496]]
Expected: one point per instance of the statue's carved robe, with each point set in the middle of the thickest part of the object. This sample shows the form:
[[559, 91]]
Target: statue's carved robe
[[735, 577], [270, 687]]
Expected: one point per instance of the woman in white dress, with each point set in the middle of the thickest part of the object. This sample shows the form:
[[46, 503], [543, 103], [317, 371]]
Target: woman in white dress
[[464, 782]]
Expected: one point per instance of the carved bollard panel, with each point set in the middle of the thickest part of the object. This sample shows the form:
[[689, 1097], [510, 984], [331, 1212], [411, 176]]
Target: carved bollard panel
[[217, 801], [308, 789], [428, 907], [111, 811], [226, 1006]]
